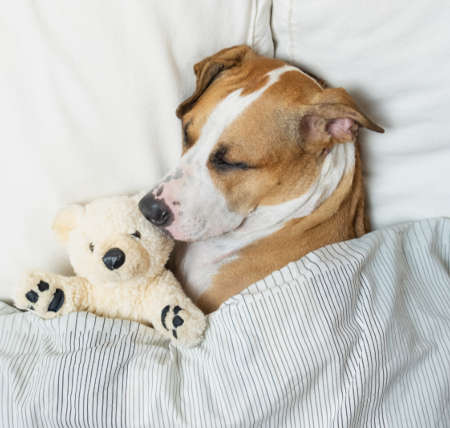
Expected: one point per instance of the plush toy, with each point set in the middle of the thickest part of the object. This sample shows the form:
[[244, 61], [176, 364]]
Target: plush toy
[[119, 259]]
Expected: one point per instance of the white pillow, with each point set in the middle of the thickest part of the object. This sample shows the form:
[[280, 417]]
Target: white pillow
[[394, 58], [89, 91]]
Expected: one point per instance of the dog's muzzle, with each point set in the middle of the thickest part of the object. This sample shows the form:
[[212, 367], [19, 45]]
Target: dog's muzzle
[[155, 210]]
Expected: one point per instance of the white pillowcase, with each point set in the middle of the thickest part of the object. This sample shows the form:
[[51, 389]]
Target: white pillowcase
[[89, 91], [394, 58]]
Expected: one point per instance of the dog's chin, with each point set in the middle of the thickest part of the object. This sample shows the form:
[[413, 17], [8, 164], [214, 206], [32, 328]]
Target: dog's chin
[[194, 237], [202, 234]]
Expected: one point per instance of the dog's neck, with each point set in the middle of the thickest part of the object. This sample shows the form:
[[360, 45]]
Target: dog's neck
[[216, 268]]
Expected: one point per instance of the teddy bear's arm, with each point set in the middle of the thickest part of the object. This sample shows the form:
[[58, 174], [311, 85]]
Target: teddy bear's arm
[[50, 295], [172, 313]]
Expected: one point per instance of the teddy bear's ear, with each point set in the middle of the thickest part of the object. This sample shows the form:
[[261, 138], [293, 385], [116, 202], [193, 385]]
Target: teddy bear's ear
[[66, 220]]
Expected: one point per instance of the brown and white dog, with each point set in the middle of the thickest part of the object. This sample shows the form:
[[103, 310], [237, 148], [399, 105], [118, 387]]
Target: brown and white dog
[[270, 171]]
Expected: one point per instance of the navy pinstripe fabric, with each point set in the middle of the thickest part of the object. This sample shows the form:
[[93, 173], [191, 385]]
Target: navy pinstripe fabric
[[356, 334]]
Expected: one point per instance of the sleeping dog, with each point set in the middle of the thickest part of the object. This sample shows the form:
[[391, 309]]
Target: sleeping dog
[[270, 171]]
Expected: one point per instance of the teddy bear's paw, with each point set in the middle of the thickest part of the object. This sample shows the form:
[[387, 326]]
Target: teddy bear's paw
[[39, 295], [186, 326]]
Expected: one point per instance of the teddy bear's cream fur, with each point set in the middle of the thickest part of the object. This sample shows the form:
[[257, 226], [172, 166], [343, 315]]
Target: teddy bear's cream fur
[[134, 286]]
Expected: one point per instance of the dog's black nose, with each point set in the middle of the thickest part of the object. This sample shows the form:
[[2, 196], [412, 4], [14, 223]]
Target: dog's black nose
[[155, 210], [114, 258]]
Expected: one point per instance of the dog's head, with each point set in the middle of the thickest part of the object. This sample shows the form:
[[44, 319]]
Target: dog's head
[[258, 135]]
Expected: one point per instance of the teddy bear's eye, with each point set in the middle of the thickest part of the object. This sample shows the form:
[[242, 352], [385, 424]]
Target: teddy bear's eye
[[91, 247], [136, 234]]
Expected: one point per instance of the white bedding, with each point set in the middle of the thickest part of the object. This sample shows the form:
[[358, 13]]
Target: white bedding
[[356, 334]]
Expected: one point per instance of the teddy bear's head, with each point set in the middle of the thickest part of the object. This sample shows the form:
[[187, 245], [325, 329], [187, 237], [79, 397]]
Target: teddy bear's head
[[109, 240]]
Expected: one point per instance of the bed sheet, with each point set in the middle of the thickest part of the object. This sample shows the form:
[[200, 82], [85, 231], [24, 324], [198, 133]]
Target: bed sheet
[[355, 334]]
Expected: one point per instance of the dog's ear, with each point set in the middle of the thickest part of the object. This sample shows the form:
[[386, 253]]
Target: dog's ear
[[333, 117], [66, 220], [208, 69]]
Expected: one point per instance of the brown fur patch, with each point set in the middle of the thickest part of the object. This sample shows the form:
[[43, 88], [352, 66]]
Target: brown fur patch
[[248, 76]]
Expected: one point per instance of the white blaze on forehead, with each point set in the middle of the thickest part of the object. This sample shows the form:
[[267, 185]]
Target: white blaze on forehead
[[226, 111]]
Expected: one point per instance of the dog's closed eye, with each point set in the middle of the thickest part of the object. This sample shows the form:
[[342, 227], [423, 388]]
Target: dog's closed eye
[[220, 163], [136, 234]]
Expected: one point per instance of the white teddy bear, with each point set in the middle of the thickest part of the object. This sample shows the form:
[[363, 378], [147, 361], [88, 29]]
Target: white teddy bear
[[119, 259]]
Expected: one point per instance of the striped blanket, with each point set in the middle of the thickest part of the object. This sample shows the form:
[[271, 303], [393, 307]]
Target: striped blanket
[[356, 334]]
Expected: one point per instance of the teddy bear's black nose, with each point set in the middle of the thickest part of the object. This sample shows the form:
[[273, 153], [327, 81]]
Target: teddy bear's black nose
[[155, 210], [114, 258]]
